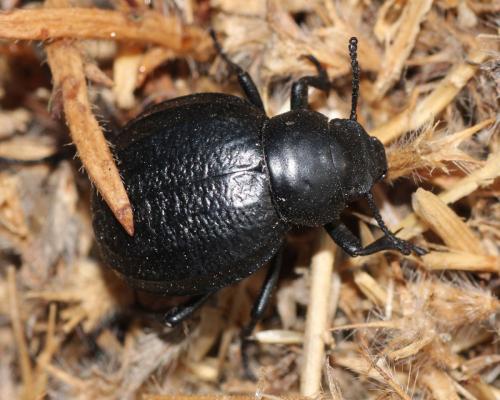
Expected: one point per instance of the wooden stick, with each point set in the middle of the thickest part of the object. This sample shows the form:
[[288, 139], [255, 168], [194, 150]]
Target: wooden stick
[[317, 317]]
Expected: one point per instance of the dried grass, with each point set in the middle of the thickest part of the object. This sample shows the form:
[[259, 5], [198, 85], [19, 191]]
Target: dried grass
[[377, 327]]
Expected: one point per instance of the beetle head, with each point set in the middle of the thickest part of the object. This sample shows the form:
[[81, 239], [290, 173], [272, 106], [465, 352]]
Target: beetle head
[[359, 158]]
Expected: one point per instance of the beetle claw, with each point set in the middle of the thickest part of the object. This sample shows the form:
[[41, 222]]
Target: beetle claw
[[407, 248]]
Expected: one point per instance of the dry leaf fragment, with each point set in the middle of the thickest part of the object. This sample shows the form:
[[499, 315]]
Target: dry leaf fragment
[[439, 383], [399, 50], [11, 213], [91, 297], [443, 221], [461, 261], [125, 71], [482, 177], [430, 106], [151, 60], [12, 121], [370, 288], [416, 345]]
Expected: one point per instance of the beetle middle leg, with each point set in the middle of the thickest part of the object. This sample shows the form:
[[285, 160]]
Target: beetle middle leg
[[258, 309], [299, 97], [244, 78]]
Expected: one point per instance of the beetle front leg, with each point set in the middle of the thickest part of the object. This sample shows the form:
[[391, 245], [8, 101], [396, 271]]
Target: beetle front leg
[[352, 245], [258, 309], [299, 97], [244, 78]]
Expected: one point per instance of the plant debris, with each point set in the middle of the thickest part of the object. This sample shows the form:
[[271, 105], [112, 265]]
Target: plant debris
[[384, 326]]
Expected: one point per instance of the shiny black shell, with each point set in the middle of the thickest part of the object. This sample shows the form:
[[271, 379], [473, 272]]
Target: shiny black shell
[[196, 176]]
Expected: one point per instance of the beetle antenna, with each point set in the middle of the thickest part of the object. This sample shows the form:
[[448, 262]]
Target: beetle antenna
[[235, 67], [353, 53], [376, 214], [399, 244]]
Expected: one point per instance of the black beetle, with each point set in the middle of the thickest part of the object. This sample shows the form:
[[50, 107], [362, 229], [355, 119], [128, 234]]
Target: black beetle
[[215, 185]]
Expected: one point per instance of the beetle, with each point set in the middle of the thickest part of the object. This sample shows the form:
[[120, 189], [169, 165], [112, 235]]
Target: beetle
[[216, 184]]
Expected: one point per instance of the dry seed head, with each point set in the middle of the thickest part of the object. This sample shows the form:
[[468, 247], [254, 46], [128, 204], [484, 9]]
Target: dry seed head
[[457, 305], [429, 150]]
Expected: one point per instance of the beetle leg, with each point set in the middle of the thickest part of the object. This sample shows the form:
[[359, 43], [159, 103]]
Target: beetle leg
[[352, 245], [258, 309], [299, 97], [178, 314], [244, 78]]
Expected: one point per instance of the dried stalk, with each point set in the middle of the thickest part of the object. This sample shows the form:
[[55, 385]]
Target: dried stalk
[[17, 327], [69, 78], [398, 52], [93, 23], [435, 261], [482, 177], [317, 317], [44, 359], [429, 107], [125, 72], [68, 74]]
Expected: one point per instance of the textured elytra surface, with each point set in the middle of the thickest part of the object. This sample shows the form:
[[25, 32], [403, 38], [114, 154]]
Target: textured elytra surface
[[195, 173]]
